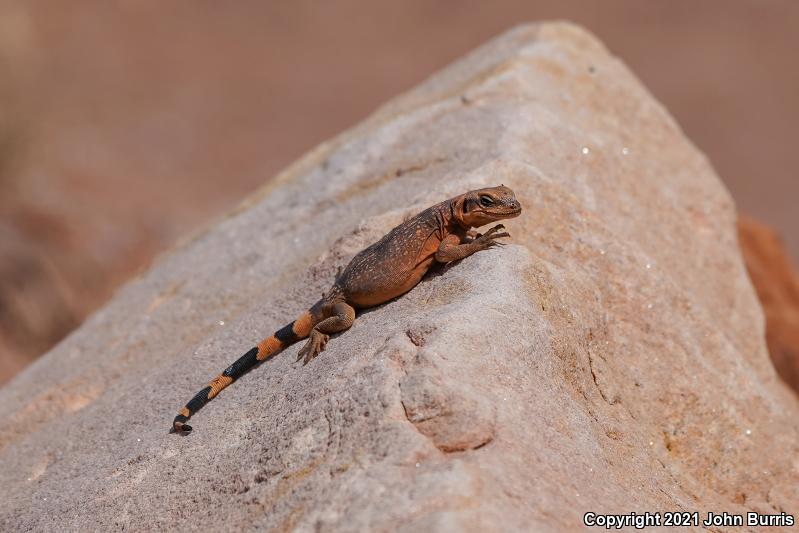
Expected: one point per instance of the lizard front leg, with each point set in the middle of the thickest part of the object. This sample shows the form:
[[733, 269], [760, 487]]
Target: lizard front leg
[[341, 319], [452, 248]]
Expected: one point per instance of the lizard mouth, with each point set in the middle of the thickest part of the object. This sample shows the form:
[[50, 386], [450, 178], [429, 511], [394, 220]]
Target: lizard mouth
[[505, 213], [510, 213]]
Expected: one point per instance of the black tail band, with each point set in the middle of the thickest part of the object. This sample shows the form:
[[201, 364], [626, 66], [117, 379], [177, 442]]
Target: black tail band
[[242, 364], [200, 399]]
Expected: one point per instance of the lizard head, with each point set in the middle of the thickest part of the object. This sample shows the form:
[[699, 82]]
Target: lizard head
[[483, 206]]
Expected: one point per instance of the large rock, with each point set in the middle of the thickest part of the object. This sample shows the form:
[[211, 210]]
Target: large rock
[[611, 359]]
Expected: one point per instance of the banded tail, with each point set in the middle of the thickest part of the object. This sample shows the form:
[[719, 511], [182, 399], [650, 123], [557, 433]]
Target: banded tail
[[299, 329]]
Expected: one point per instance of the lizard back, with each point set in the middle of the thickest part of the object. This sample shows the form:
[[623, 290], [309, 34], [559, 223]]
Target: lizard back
[[396, 263]]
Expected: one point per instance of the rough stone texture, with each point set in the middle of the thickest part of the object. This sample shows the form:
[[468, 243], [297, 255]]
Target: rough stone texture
[[612, 359], [777, 284]]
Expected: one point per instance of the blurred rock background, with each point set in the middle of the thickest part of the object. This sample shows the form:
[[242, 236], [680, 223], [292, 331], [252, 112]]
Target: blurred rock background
[[124, 127]]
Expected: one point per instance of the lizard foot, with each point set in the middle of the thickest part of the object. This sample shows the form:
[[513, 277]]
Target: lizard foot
[[474, 235], [316, 344], [487, 240]]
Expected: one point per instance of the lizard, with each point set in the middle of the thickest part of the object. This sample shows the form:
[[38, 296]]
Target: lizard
[[381, 272]]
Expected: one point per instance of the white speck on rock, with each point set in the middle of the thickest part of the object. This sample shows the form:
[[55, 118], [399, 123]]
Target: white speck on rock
[[585, 150]]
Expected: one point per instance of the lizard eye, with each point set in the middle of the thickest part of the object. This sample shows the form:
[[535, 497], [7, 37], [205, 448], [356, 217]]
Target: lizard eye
[[486, 201]]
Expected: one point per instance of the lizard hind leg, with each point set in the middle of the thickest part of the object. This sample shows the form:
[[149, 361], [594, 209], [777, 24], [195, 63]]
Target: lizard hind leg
[[341, 318]]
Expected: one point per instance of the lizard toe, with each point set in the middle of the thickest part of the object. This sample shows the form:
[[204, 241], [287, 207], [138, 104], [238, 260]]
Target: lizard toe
[[494, 229], [301, 354]]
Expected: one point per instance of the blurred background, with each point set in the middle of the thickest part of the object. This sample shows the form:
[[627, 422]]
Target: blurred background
[[125, 126]]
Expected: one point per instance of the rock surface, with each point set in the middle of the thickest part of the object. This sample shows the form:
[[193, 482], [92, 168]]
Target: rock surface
[[612, 359]]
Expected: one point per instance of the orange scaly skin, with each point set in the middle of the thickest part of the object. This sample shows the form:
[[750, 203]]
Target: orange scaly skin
[[389, 268]]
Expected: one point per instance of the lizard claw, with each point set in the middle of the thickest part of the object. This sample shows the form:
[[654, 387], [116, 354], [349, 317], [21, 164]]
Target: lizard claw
[[316, 344]]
